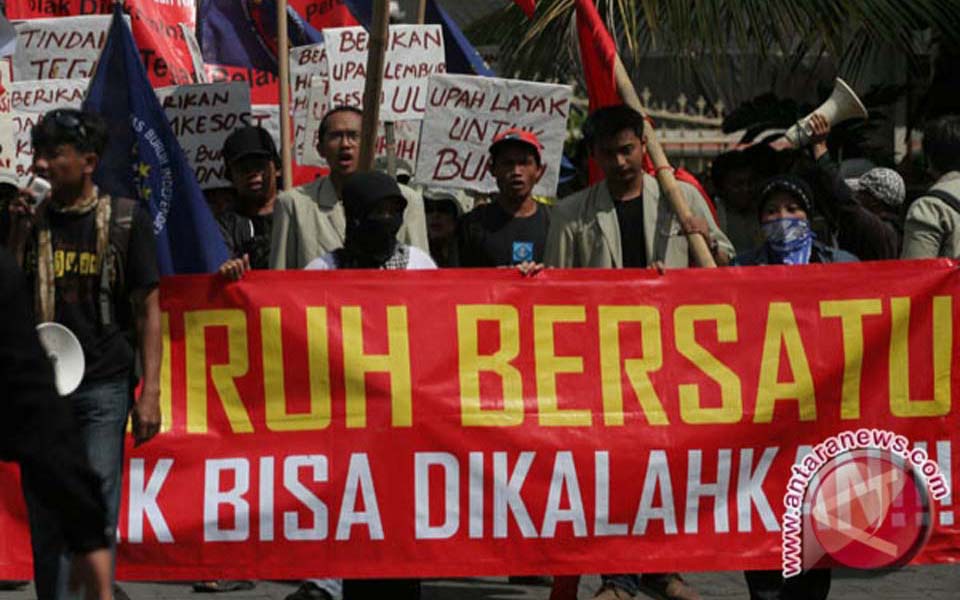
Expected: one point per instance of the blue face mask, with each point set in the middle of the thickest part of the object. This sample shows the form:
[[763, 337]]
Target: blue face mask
[[789, 241]]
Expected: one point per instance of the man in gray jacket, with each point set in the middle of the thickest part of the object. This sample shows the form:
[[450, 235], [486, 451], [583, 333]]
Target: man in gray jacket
[[626, 220], [308, 221], [932, 228]]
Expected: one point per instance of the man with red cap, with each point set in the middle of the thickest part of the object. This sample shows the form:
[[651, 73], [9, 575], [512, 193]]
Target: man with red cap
[[512, 229]]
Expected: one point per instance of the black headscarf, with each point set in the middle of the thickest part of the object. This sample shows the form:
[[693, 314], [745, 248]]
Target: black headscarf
[[371, 232]]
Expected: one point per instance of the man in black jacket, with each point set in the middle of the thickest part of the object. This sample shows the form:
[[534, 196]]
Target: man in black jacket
[[865, 210], [37, 430], [251, 161]]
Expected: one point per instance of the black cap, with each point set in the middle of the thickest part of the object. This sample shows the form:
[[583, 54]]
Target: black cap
[[792, 184], [363, 191], [249, 141]]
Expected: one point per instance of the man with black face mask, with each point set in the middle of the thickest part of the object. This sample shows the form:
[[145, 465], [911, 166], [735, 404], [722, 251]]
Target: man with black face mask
[[373, 210]]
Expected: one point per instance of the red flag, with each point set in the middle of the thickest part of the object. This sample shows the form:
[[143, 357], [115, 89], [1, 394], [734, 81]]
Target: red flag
[[598, 53], [527, 6]]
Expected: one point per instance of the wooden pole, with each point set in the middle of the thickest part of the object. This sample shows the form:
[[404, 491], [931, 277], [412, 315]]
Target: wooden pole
[[421, 12], [668, 183], [283, 59], [376, 53]]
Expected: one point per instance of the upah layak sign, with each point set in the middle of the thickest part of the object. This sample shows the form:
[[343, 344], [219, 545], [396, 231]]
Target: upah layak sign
[[454, 423]]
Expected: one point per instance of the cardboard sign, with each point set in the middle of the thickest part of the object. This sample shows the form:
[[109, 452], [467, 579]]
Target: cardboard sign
[[59, 48], [268, 117], [406, 134], [8, 133], [202, 116], [308, 79], [29, 100], [155, 25], [464, 115], [414, 52]]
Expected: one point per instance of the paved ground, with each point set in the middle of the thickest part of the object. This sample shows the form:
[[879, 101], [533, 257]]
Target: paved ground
[[941, 582]]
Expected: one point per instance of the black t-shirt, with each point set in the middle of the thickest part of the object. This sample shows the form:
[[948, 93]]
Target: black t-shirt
[[107, 350], [247, 235], [491, 237], [630, 219]]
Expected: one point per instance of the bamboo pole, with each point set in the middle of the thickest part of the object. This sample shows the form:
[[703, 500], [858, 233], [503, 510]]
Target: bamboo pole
[[668, 183], [421, 12], [283, 60], [376, 53]]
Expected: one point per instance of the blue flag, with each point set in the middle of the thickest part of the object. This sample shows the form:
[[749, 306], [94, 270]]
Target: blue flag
[[461, 56], [143, 159], [243, 33]]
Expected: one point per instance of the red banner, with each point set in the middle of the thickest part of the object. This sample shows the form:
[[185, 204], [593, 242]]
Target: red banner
[[454, 423]]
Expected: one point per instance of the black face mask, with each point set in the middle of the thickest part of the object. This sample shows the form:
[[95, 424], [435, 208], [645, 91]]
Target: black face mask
[[371, 241]]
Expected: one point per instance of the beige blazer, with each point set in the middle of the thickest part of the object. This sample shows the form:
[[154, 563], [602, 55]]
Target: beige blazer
[[584, 231], [932, 228], [309, 222]]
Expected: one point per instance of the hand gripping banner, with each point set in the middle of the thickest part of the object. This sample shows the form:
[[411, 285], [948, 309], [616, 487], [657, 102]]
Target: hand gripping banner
[[454, 423]]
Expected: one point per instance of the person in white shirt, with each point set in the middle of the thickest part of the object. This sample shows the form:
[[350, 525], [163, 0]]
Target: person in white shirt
[[374, 215]]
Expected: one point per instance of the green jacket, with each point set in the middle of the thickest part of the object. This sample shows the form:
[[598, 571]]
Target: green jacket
[[584, 231], [932, 228], [309, 222]]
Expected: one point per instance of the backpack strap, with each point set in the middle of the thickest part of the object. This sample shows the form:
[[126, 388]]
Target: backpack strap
[[947, 198], [114, 262]]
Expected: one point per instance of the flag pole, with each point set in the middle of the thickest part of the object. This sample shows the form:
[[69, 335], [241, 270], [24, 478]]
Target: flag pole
[[376, 53], [421, 12], [665, 176], [283, 60]]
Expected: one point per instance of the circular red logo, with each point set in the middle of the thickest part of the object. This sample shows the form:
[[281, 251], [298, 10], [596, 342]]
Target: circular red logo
[[869, 510]]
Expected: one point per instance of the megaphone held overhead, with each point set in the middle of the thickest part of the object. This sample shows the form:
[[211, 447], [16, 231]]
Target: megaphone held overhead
[[842, 105], [65, 353]]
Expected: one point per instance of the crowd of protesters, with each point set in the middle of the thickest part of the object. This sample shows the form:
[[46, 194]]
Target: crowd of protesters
[[89, 262]]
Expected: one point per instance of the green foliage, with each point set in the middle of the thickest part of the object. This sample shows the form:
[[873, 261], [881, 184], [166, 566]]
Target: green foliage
[[699, 33]]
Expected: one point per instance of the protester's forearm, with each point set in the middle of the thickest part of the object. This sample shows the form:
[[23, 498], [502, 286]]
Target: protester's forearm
[[151, 343]]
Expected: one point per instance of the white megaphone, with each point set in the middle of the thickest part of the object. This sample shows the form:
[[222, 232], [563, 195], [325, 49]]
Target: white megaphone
[[842, 105], [65, 353]]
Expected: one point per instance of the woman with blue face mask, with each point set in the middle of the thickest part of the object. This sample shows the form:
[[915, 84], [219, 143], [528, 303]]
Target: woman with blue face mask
[[785, 203]]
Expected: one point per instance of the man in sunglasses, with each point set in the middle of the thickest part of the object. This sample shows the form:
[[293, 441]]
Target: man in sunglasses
[[91, 261], [309, 221]]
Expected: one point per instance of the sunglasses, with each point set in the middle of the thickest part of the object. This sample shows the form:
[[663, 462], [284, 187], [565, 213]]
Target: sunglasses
[[68, 120]]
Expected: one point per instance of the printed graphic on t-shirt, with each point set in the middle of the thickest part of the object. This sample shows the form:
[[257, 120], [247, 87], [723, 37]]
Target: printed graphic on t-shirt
[[522, 252], [72, 262]]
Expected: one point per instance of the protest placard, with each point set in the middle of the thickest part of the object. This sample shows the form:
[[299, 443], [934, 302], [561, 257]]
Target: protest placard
[[268, 117], [28, 101], [308, 70], [59, 48], [406, 133], [306, 122], [464, 115], [414, 52], [202, 116], [155, 25], [8, 134]]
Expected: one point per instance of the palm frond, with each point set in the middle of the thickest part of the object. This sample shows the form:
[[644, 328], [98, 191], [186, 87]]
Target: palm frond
[[700, 34]]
